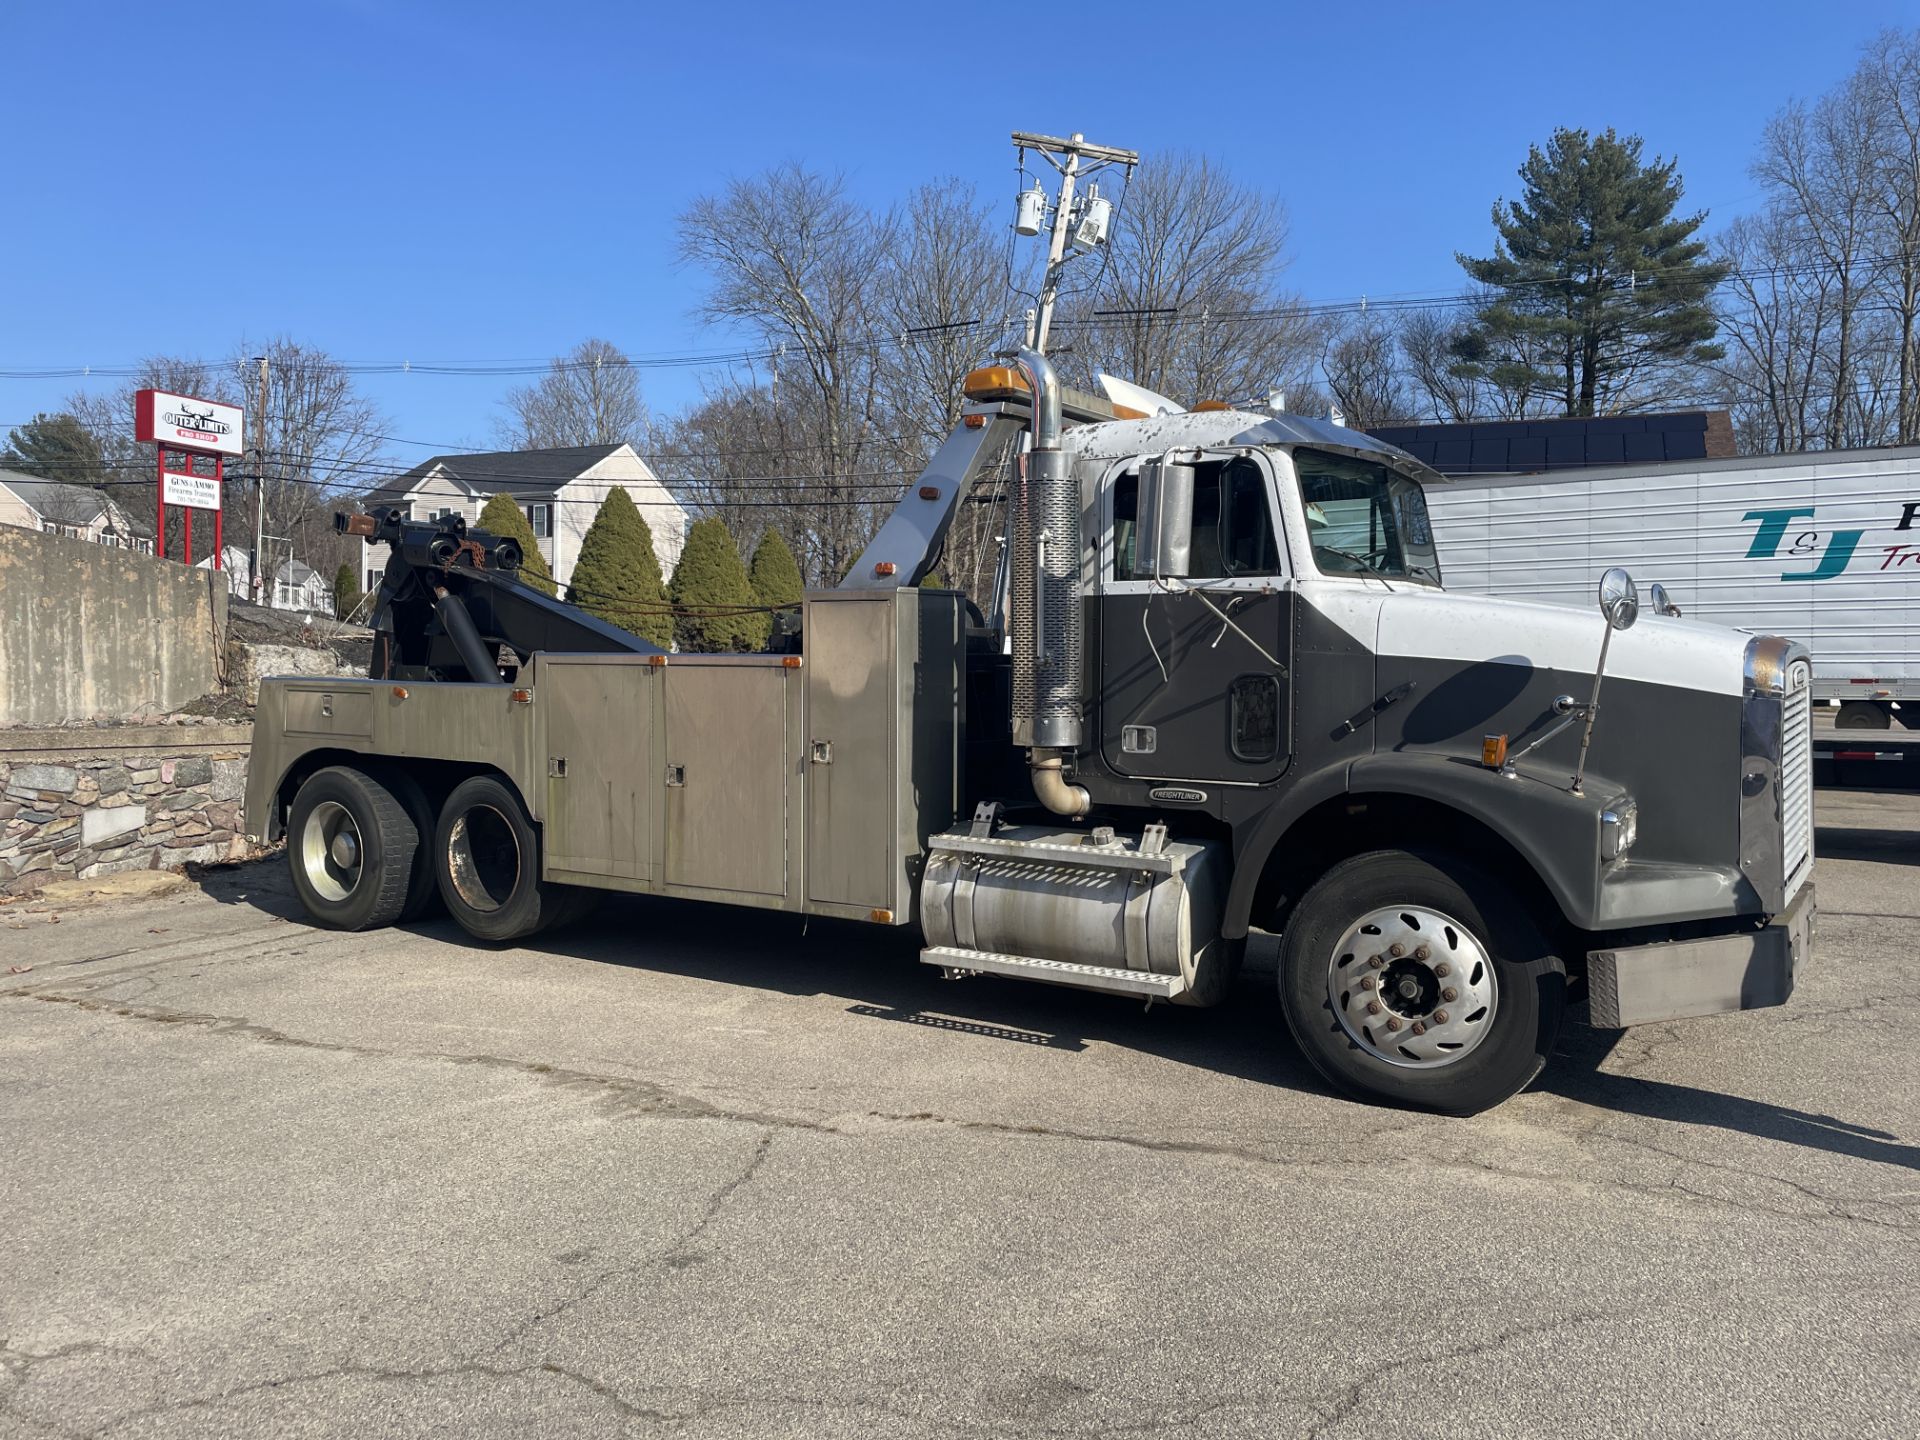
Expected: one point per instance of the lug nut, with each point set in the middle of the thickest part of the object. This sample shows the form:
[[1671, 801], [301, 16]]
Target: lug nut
[[1366, 982], [1443, 969], [1439, 1017], [1423, 952], [1376, 961], [1449, 993], [1393, 1022], [1396, 949], [1373, 1007], [1419, 1027]]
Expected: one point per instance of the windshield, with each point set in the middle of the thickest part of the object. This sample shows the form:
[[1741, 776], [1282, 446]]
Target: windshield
[[1365, 519]]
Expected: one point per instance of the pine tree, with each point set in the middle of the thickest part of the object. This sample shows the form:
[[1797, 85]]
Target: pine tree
[[346, 592], [1594, 281], [710, 577], [618, 575], [55, 447], [501, 516], [775, 576]]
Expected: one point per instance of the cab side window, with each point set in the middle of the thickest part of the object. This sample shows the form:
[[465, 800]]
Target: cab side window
[[1232, 523]]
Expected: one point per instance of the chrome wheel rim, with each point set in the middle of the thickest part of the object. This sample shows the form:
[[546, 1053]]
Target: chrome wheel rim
[[483, 858], [1413, 987], [332, 851]]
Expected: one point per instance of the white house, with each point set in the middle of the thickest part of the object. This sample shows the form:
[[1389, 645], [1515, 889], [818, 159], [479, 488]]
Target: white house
[[79, 511], [559, 490], [295, 586]]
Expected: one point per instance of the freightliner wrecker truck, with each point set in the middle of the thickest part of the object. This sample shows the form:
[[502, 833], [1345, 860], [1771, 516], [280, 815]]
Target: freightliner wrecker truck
[[1220, 687], [1224, 689]]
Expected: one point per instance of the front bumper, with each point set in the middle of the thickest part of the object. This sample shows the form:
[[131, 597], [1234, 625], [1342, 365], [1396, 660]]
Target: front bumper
[[1681, 978]]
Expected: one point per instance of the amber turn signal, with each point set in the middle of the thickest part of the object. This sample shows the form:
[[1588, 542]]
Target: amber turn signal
[[1493, 751]]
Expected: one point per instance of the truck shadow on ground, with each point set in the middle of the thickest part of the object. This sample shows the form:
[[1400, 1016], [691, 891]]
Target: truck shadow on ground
[[1576, 1073], [877, 971], [1889, 847]]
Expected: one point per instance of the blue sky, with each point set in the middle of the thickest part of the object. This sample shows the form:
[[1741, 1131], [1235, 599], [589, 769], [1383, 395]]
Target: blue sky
[[479, 182]]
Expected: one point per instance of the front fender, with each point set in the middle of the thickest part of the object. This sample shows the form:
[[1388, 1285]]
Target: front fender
[[1556, 831]]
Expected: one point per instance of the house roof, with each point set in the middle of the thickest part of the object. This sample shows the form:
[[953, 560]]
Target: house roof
[[1513, 447], [51, 499], [512, 471]]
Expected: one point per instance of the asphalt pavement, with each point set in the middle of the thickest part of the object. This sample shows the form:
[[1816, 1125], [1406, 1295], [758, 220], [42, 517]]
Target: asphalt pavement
[[689, 1171]]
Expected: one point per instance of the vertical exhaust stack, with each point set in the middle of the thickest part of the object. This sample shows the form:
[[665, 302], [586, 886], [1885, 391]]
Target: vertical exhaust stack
[[1048, 629]]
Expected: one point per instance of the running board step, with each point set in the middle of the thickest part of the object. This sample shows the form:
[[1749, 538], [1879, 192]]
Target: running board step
[[1057, 972]]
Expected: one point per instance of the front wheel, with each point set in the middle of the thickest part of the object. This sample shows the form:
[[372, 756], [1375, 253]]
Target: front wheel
[[1418, 981]]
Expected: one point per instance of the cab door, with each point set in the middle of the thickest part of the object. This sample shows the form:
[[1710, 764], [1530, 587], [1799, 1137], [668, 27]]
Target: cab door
[[1193, 673]]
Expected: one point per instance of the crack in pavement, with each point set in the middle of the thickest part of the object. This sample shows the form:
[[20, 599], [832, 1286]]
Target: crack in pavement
[[675, 1256], [658, 1102], [380, 1375]]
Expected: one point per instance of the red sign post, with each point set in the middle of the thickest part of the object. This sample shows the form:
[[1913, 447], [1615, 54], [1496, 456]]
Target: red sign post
[[187, 427]]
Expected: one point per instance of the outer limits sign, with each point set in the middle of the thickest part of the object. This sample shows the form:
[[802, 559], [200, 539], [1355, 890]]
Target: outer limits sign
[[180, 422]]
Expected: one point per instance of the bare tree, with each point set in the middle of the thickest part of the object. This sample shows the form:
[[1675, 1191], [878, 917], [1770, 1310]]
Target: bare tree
[[1189, 301], [943, 296], [320, 440], [1818, 165], [1890, 76], [589, 396], [1360, 359], [798, 264]]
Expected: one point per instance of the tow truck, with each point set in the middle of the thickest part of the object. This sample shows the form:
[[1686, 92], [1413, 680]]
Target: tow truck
[[1219, 687]]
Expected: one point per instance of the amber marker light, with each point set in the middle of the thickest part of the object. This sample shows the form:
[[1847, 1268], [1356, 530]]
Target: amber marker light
[[1493, 751], [880, 917], [521, 697], [995, 382], [399, 692], [885, 567]]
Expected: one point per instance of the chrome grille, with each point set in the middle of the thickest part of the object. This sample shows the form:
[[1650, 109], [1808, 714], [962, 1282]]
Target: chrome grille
[[1796, 776]]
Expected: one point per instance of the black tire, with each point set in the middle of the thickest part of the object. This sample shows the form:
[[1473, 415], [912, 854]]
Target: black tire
[[486, 860], [423, 891], [1864, 715], [350, 848], [1518, 994]]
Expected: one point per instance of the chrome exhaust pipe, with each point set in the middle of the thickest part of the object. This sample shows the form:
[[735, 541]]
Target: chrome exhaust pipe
[[1048, 629]]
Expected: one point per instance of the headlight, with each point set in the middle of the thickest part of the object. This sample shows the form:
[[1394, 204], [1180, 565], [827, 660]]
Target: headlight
[[1619, 828]]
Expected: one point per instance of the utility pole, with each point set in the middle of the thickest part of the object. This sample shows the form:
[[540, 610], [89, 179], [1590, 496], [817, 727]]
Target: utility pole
[[1066, 156], [255, 560]]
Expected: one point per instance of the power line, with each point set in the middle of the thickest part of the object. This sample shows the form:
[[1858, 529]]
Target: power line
[[937, 330]]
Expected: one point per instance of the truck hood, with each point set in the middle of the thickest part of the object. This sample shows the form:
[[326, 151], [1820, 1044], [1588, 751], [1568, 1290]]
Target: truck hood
[[1430, 624]]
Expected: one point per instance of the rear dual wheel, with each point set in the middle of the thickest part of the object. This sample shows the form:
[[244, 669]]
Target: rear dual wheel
[[366, 849], [351, 848], [487, 863]]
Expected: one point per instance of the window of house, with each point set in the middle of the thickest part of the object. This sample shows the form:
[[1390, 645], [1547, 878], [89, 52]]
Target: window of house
[[540, 517], [373, 580], [1232, 523]]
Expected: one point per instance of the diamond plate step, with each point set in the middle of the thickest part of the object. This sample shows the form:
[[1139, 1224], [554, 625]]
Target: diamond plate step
[[1056, 972]]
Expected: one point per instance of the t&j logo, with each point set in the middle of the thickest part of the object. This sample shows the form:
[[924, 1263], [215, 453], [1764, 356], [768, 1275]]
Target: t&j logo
[[1835, 548]]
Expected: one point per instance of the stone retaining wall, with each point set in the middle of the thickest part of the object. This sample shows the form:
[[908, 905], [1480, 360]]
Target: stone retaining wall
[[83, 804]]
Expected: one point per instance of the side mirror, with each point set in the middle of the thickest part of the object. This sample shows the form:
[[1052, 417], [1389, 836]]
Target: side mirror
[[1163, 534], [1619, 599], [1661, 602]]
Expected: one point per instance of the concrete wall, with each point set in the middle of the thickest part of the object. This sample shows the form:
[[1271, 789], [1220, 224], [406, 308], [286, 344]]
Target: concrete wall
[[82, 804], [88, 632]]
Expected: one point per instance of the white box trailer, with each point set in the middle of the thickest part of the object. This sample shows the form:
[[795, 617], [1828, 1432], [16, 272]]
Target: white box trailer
[[1822, 546]]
